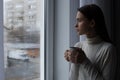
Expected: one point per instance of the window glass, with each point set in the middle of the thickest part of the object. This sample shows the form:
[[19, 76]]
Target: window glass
[[22, 39]]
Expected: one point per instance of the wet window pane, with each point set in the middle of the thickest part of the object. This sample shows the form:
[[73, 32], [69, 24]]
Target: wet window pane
[[22, 39]]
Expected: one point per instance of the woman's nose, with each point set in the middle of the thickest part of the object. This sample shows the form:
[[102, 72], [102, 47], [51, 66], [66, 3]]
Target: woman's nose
[[76, 25]]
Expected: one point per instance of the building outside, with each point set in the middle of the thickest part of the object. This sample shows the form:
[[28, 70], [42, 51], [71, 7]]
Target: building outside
[[21, 19], [21, 27]]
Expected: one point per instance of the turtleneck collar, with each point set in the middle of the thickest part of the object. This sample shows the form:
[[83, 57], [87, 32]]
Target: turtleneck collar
[[94, 40]]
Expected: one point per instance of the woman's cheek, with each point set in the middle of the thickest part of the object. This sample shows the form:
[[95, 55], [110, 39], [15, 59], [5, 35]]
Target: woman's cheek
[[81, 26]]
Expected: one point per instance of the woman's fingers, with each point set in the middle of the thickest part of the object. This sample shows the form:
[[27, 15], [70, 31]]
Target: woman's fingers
[[75, 56], [66, 55], [78, 57]]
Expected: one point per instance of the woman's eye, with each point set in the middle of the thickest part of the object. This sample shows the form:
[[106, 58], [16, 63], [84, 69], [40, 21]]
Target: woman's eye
[[79, 20]]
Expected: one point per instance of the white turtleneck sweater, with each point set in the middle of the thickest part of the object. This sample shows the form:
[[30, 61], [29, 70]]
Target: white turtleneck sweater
[[100, 63]]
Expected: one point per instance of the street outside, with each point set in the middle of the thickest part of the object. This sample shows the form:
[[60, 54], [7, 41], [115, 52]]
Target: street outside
[[23, 70]]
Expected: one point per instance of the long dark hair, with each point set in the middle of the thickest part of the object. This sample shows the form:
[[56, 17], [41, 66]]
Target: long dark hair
[[92, 11]]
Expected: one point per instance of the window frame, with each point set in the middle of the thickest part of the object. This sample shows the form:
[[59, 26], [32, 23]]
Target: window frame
[[49, 38]]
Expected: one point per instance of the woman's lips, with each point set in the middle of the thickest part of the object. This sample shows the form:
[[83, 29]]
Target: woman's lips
[[77, 30]]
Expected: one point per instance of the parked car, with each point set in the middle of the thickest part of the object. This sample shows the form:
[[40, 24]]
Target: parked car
[[18, 54]]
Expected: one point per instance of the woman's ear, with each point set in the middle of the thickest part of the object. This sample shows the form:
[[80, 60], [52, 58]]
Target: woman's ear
[[92, 23]]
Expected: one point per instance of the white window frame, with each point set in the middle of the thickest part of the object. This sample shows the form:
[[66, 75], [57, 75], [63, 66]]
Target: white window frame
[[42, 40], [49, 38], [1, 43]]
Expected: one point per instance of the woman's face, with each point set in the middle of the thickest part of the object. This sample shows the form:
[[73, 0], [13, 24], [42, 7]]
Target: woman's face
[[83, 25]]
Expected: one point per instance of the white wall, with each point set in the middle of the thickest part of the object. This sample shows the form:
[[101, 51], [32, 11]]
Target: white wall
[[61, 42], [65, 11]]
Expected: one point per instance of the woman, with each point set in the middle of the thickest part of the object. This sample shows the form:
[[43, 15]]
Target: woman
[[95, 58]]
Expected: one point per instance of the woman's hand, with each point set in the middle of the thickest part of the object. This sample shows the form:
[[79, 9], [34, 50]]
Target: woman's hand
[[67, 55], [75, 55]]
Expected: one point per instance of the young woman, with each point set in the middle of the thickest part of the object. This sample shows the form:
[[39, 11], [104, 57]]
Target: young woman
[[95, 58]]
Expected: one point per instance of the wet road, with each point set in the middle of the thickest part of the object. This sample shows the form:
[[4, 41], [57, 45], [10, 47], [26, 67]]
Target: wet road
[[23, 70]]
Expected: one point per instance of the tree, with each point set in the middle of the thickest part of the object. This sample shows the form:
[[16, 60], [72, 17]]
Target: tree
[[21, 35]]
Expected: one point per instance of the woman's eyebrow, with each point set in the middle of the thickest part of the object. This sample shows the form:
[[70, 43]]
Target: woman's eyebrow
[[78, 19]]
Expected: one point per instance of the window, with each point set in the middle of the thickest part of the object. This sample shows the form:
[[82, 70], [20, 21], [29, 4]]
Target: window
[[23, 44]]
